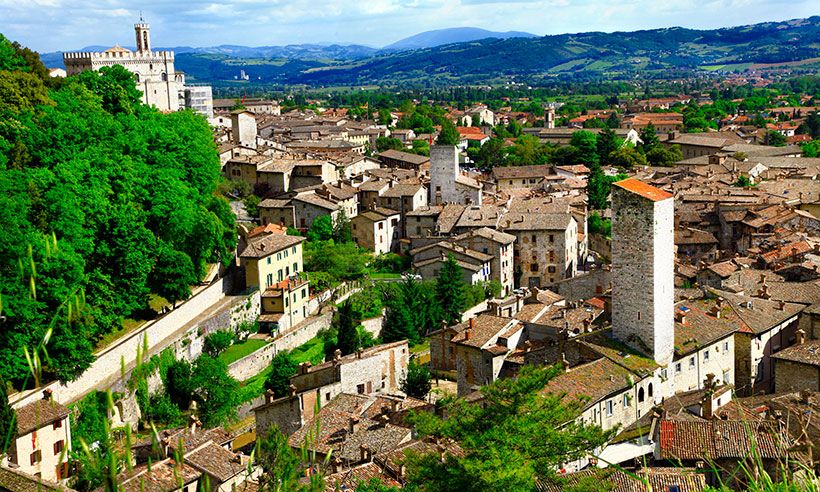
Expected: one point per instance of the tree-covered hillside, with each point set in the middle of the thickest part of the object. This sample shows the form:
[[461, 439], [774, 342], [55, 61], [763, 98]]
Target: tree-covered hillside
[[103, 201], [666, 53]]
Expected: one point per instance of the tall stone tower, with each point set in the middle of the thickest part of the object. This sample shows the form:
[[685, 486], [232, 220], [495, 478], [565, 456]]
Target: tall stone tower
[[643, 256], [443, 174], [143, 36], [549, 117]]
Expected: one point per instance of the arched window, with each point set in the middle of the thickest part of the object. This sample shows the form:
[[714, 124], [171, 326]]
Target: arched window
[[640, 395], [164, 77], [137, 77], [650, 390], [145, 40]]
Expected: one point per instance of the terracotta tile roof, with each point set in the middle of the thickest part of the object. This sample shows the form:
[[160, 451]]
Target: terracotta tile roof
[[512, 172], [763, 314], [487, 233], [217, 462], [807, 353], [268, 245], [12, 480], [786, 251], [590, 383], [485, 328], [164, 476], [701, 328], [688, 235], [717, 439], [404, 157], [724, 269], [655, 478], [350, 479], [39, 414], [640, 188], [267, 229]]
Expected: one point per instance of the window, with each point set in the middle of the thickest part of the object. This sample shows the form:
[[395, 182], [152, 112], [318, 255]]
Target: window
[[533, 267], [269, 280], [533, 238], [57, 424], [552, 238], [327, 396], [706, 355], [691, 362], [677, 368], [304, 293], [640, 395], [295, 267], [269, 260], [649, 388], [286, 301], [609, 405], [551, 269], [759, 375], [36, 457], [286, 253], [58, 447], [360, 389], [279, 276], [279, 256], [293, 250], [626, 400], [381, 225]]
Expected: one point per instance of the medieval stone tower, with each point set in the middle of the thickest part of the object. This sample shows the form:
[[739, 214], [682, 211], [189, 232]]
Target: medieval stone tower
[[643, 256], [443, 174]]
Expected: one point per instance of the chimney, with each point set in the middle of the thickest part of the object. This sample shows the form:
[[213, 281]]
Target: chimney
[[292, 390], [715, 311], [269, 396], [781, 305], [719, 302], [564, 362], [359, 353], [337, 356], [304, 367], [47, 394], [336, 464], [587, 323], [681, 317], [365, 453], [800, 335], [352, 425]]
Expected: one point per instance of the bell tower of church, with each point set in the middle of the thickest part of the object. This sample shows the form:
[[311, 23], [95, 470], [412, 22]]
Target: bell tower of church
[[143, 36]]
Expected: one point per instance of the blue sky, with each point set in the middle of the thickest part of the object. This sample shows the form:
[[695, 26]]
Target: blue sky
[[51, 25]]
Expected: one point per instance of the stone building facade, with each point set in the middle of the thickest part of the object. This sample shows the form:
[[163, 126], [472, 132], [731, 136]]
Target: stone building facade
[[161, 85], [643, 259]]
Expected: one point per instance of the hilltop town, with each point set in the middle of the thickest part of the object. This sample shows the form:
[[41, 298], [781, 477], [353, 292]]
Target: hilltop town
[[618, 292]]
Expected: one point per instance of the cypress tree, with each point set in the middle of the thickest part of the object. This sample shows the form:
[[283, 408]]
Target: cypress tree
[[347, 326], [450, 291]]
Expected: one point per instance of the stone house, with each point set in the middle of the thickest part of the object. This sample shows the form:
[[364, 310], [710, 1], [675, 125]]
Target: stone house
[[245, 167], [312, 172], [298, 211], [480, 347], [428, 262], [695, 244], [546, 247], [404, 160], [797, 368], [767, 327], [498, 244], [403, 198], [378, 369], [349, 166], [42, 442], [377, 229], [511, 177]]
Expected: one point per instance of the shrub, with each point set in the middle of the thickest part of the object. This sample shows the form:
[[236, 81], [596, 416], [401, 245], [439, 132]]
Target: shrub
[[217, 342]]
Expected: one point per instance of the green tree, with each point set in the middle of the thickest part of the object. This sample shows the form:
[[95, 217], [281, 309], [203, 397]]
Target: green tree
[[216, 391], [449, 134], [649, 138], [417, 383], [775, 139], [115, 85], [607, 143], [495, 435], [612, 121], [347, 321], [398, 323], [217, 342], [172, 275], [661, 156], [385, 118], [389, 143], [743, 181], [586, 144], [283, 367], [342, 233], [321, 229], [281, 466], [627, 158], [489, 155], [450, 291], [8, 418], [251, 203]]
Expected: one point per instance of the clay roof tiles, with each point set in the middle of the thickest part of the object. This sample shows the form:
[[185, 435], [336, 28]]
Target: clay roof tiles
[[640, 188]]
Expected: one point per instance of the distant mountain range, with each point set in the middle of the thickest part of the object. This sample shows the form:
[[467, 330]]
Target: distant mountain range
[[448, 56], [431, 39]]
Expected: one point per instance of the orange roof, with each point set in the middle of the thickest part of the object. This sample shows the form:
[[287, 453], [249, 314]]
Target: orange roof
[[647, 191], [268, 229]]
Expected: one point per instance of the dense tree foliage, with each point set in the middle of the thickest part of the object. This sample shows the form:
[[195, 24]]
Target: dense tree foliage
[[283, 366], [417, 383], [347, 321], [103, 199], [496, 435], [217, 342], [449, 134], [8, 426]]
